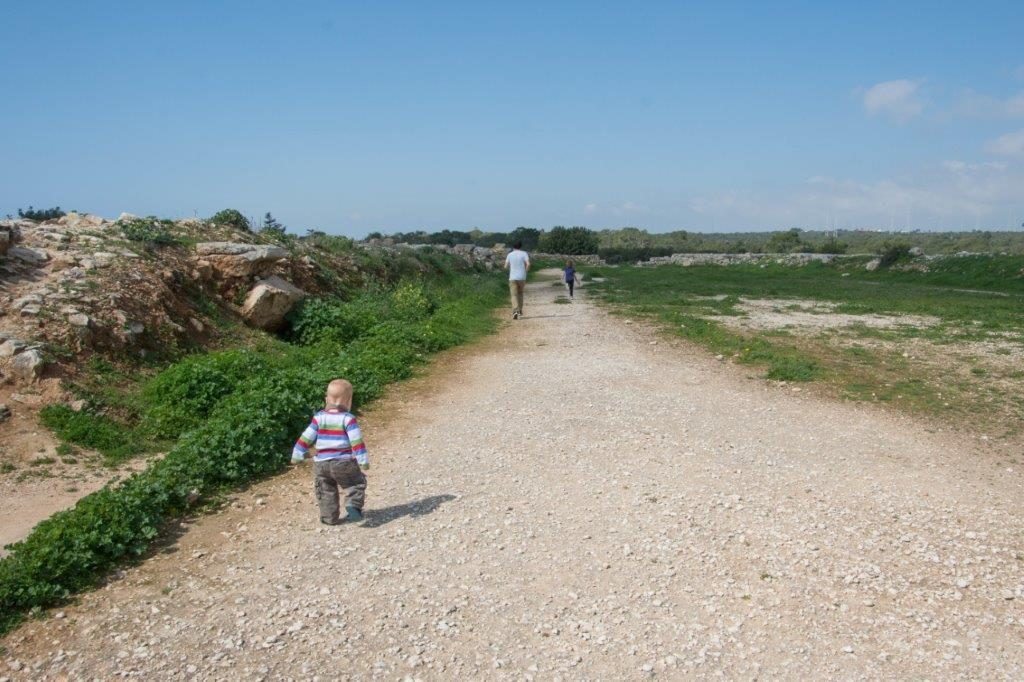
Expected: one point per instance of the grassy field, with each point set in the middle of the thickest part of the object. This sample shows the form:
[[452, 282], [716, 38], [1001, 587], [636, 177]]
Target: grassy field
[[946, 342]]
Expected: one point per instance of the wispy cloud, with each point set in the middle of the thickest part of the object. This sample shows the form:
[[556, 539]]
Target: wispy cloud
[[1010, 144], [977, 105], [898, 99], [950, 194], [615, 209]]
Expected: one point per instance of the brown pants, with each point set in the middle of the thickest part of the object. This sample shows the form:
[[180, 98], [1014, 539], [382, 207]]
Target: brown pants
[[334, 474], [515, 290]]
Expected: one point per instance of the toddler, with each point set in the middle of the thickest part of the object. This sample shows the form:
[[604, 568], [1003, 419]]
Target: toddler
[[340, 455]]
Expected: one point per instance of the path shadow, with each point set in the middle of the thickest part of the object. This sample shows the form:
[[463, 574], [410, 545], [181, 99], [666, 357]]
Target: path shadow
[[374, 518]]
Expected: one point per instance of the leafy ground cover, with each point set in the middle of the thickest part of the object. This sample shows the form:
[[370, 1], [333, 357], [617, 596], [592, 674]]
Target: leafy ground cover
[[229, 417]]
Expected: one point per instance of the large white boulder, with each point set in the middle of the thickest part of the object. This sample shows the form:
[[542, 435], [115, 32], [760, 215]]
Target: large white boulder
[[28, 366], [233, 259], [269, 301]]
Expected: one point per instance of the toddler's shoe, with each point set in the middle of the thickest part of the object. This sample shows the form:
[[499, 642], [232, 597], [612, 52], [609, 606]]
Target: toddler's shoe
[[354, 515]]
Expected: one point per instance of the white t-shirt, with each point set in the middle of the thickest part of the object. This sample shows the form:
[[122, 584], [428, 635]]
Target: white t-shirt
[[517, 262]]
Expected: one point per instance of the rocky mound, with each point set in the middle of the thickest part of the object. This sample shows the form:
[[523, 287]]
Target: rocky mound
[[83, 284]]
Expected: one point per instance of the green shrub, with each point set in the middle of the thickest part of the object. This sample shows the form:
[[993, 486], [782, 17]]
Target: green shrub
[[180, 397], [317, 320], [150, 232], [229, 217], [892, 252], [569, 240], [237, 412], [93, 431], [41, 214], [412, 302]]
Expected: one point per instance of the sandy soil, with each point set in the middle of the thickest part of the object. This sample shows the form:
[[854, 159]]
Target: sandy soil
[[809, 315], [578, 498], [36, 482]]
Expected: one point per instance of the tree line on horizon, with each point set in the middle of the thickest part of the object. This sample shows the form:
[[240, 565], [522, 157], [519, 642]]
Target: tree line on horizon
[[629, 244]]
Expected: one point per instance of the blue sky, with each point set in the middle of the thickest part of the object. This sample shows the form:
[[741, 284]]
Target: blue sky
[[360, 116]]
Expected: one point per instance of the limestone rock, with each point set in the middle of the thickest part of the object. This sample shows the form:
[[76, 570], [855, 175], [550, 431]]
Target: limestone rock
[[9, 235], [81, 220], [232, 259], [104, 259], [873, 264], [11, 347], [269, 301], [79, 320], [28, 255], [28, 366]]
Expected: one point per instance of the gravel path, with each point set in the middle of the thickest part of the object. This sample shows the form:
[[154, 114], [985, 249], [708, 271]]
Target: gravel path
[[577, 499]]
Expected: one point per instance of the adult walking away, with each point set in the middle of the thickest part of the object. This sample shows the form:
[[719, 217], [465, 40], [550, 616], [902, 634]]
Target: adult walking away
[[517, 262]]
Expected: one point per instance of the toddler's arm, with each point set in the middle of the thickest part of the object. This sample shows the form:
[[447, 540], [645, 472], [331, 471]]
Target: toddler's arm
[[305, 441], [355, 440]]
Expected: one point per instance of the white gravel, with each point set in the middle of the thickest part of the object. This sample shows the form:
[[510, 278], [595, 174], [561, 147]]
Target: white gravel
[[568, 500]]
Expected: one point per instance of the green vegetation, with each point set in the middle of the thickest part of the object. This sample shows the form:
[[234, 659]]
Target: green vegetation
[[893, 252], [41, 214], [94, 431], [569, 240], [232, 218], [632, 244], [271, 225], [149, 231], [965, 299], [234, 414]]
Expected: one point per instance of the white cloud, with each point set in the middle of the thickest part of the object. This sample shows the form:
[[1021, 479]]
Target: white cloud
[[1010, 144], [620, 209], [953, 194], [899, 99]]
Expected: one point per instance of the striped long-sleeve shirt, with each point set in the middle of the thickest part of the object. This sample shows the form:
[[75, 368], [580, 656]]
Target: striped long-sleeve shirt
[[335, 434]]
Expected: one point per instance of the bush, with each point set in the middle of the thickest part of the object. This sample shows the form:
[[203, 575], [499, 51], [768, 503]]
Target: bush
[[229, 217], [182, 396], [150, 232], [788, 241], [831, 245], [617, 255], [237, 412], [41, 214], [892, 252], [571, 241]]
